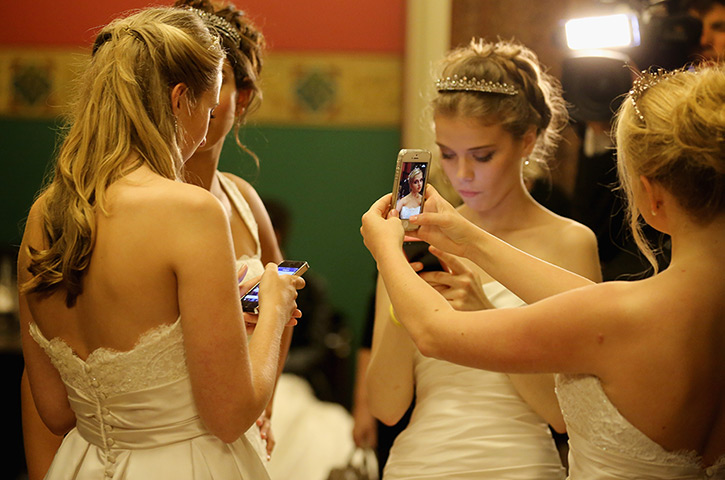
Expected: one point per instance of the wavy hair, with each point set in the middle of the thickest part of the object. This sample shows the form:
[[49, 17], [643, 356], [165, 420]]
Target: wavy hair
[[123, 108]]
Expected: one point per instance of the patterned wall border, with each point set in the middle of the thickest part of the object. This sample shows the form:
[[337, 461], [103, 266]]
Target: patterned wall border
[[349, 90]]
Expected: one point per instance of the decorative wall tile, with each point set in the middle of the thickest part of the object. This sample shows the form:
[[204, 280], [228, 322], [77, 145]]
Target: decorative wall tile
[[349, 90]]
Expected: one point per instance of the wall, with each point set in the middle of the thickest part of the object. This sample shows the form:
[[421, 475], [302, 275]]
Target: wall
[[327, 134]]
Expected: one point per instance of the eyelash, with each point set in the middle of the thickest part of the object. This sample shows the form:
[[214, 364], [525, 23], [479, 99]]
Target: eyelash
[[480, 159]]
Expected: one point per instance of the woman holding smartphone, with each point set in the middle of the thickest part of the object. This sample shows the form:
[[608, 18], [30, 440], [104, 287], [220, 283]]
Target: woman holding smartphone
[[116, 302], [495, 113], [640, 363], [254, 241]]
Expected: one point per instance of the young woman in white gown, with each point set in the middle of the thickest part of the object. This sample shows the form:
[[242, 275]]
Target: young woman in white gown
[[471, 423], [640, 363], [132, 328], [254, 240]]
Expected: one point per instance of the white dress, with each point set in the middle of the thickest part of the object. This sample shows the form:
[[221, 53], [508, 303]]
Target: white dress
[[136, 416], [472, 424], [604, 445]]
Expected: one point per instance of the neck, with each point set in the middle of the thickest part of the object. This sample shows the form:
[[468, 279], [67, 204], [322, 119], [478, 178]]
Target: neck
[[201, 168], [515, 211], [694, 244]]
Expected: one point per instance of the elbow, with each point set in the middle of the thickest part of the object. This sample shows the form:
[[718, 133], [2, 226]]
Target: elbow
[[228, 428], [559, 426], [388, 416]]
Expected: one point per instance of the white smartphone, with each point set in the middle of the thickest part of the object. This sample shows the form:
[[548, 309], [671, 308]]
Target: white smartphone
[[411, 178], [250, 300]]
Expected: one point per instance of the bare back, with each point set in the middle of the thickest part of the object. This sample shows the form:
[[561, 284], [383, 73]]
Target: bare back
[[130, 286]]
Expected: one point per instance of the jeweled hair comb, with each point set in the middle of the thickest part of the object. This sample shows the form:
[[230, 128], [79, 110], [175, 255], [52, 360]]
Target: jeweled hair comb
[[643, 82], [465, 84], [220, 24]]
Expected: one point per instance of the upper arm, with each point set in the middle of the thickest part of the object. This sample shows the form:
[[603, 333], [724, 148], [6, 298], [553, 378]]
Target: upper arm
[[554, 335], [267, 238], [202, 259], [390, 375], [48, 391]]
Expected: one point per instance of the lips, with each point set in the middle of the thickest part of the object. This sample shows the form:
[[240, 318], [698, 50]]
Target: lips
[[467, 193]]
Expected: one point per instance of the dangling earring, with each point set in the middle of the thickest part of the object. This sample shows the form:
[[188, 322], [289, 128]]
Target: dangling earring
[[526, 162], [176, 125]]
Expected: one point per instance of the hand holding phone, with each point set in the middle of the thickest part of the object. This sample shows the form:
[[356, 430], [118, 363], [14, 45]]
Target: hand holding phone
[[250, 300], [411, 178], [417, 251]]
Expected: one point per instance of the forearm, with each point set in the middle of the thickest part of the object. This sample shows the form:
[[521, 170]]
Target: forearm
[[265, 351], [530, 278], [40, 443]]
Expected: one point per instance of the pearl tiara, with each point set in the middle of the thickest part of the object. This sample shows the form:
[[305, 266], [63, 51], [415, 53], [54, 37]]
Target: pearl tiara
[[465, 84]]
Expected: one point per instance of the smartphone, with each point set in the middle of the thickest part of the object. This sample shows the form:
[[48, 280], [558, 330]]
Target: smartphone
[[411, 178], [250, 300], [417, 251]]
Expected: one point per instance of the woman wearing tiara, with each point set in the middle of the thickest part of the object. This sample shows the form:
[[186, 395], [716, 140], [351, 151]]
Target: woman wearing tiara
[[496, 115], [255, 243], [133, 340], [641, 382]]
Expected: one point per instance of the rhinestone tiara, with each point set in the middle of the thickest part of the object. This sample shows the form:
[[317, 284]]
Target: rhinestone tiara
[[220, 24], [643, 82], [465, 84]]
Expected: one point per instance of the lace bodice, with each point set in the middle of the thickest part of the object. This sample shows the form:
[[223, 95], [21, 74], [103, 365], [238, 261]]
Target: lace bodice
[[605, 445], [157, 358]]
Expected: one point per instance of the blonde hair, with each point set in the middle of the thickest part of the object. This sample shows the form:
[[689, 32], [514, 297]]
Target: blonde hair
[[538, 101], [123, 107], [680, 143]]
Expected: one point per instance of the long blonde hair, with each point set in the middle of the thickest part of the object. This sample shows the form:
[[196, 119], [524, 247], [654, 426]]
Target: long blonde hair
[[676, 137], [123, 107]]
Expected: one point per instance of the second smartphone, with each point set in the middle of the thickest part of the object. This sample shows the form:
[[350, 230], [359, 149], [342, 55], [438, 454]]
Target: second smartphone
[[411, 178], [250, 300]]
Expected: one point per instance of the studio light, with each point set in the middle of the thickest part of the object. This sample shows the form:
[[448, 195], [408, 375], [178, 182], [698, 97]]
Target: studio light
[[610, 31]]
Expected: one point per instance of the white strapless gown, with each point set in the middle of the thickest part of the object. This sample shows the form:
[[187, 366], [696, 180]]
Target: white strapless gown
[[604, 445], [472, 424], [136, 417]]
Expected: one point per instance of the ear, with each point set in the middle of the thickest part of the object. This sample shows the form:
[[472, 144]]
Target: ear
[[529, 141], [179, 93], [655, 204], [243, 99]]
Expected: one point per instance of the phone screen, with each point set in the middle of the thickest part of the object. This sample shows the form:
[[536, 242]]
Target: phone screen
[[250, 300], [411, 188]]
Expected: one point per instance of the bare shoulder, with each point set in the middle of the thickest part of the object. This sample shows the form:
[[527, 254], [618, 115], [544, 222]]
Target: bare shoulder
[[244, 187], [571, 245]]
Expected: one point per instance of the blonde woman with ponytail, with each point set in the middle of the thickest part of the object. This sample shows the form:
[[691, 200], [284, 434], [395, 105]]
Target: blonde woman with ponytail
[[639, 364], [132, 328]]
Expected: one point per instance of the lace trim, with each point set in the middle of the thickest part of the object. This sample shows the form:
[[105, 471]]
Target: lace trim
[[587, 409], [157, 358]]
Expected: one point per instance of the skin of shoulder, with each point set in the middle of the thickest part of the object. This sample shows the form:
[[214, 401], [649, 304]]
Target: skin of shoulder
[[270, 248]]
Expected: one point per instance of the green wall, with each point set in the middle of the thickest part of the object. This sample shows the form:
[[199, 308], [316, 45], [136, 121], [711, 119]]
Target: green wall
[[326, 177]]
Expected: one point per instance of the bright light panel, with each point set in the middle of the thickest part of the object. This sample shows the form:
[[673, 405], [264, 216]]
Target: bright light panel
[[611, 31]]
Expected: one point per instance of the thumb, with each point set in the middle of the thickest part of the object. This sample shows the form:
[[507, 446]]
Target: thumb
[[449, 261], [242, 272]]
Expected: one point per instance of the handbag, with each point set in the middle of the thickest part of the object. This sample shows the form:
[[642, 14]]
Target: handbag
[[361, 465]]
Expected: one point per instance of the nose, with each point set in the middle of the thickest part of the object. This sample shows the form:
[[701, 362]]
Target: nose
[[464, 171], [203, 142]]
